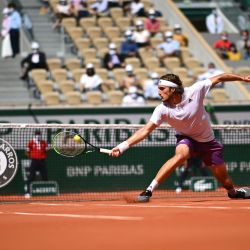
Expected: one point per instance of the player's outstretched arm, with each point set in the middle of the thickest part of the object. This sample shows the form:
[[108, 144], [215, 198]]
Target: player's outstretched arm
[[228, 77], [138, 136]]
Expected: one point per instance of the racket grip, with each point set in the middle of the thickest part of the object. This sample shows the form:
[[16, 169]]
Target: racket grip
[[105, 151]]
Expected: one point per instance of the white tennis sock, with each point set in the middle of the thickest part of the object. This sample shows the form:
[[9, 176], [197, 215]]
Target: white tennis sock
[[154, 184]]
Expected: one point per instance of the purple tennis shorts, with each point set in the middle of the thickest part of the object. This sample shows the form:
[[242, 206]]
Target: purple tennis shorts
[[210, 152]]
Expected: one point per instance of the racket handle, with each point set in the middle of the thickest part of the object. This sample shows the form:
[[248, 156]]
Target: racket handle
[[105, 151]]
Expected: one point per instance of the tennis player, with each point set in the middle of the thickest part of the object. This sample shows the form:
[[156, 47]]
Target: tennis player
[[182, 108]]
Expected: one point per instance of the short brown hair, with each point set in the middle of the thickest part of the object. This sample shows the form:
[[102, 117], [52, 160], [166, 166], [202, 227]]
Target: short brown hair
[[175, 79]]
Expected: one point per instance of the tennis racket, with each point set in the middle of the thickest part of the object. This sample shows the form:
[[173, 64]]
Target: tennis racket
[[71, 144]]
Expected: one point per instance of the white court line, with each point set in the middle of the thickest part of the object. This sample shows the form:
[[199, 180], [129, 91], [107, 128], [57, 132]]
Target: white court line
[[172, 206], [79, 216]]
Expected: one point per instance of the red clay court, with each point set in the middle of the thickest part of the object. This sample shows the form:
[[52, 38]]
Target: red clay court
[[171, 223]]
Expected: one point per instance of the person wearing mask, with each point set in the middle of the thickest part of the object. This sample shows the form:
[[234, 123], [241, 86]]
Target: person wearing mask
[[152, 24], [212, 71], [141, 36], [151, 87], [179, 36], [90, 80], [112, 59], [35, 60], [36, 151], [15, 26], [222, 45], [128, 47], [214, 23], [130, 79], [243, 44], [233, 54], [132, 98], [5, 29], [170, 47]]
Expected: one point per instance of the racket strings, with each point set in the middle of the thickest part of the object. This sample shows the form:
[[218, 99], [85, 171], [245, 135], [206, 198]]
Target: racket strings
[[65, 144]]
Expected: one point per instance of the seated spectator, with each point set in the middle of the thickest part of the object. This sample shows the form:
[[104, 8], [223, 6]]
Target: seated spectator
[[170, 47], [100, 8], [45, 7], [141, 36], [222, 45], [132, 98], [113, 59], [233, 54], [212, 71], [63, 9], [90, 80], [76, 4], [151, 23], [151, 87], [243, 44], [129, 48], [137, 9], [214, 23], [179, 36], [82, 11], [35, 60], [130, 79]]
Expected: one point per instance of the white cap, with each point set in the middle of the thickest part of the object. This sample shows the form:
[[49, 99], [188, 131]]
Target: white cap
[[154, 75], [5, 11], [129, 67], [151, 12], [169, 34], [132, 90], [128, 33], [139, 22], [89, 66], [177, 26], [34, 45], [112, 46]]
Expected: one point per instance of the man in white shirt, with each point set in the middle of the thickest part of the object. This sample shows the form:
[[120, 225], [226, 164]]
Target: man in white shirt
[[90, 81], [133, 98], [214, 23], [182, 108]]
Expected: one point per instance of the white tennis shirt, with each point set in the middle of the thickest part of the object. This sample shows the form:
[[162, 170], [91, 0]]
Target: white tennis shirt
[[188, 117]]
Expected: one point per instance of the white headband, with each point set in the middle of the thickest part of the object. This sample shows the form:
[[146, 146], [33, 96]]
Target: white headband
[[167, 83]]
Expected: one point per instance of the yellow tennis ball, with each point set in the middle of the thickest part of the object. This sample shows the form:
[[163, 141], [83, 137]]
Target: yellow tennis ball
[[77, 138]]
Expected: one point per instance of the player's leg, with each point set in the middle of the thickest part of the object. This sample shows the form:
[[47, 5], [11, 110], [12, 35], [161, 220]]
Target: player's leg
[[221, 174], [182, 153]]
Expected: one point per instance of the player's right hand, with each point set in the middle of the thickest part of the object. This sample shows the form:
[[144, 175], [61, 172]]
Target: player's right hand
[[115, 152]]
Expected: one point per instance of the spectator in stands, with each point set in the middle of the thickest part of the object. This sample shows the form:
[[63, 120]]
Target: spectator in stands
[[36, 151], [129, 48], [15, 26], [214, 23], [76, 4], [63, 9], [5, 35], [45, 8], [137, 9], [130, 79], [151, 87], [100, 8], [179, 36], [222, 45], [35, 60], [190, 167], [212, 71], [243, 44], [170, 47], [233, 54], [151, 23], [83, 11], [141, 36], [113, 59], [90, 80], [133, 98]]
